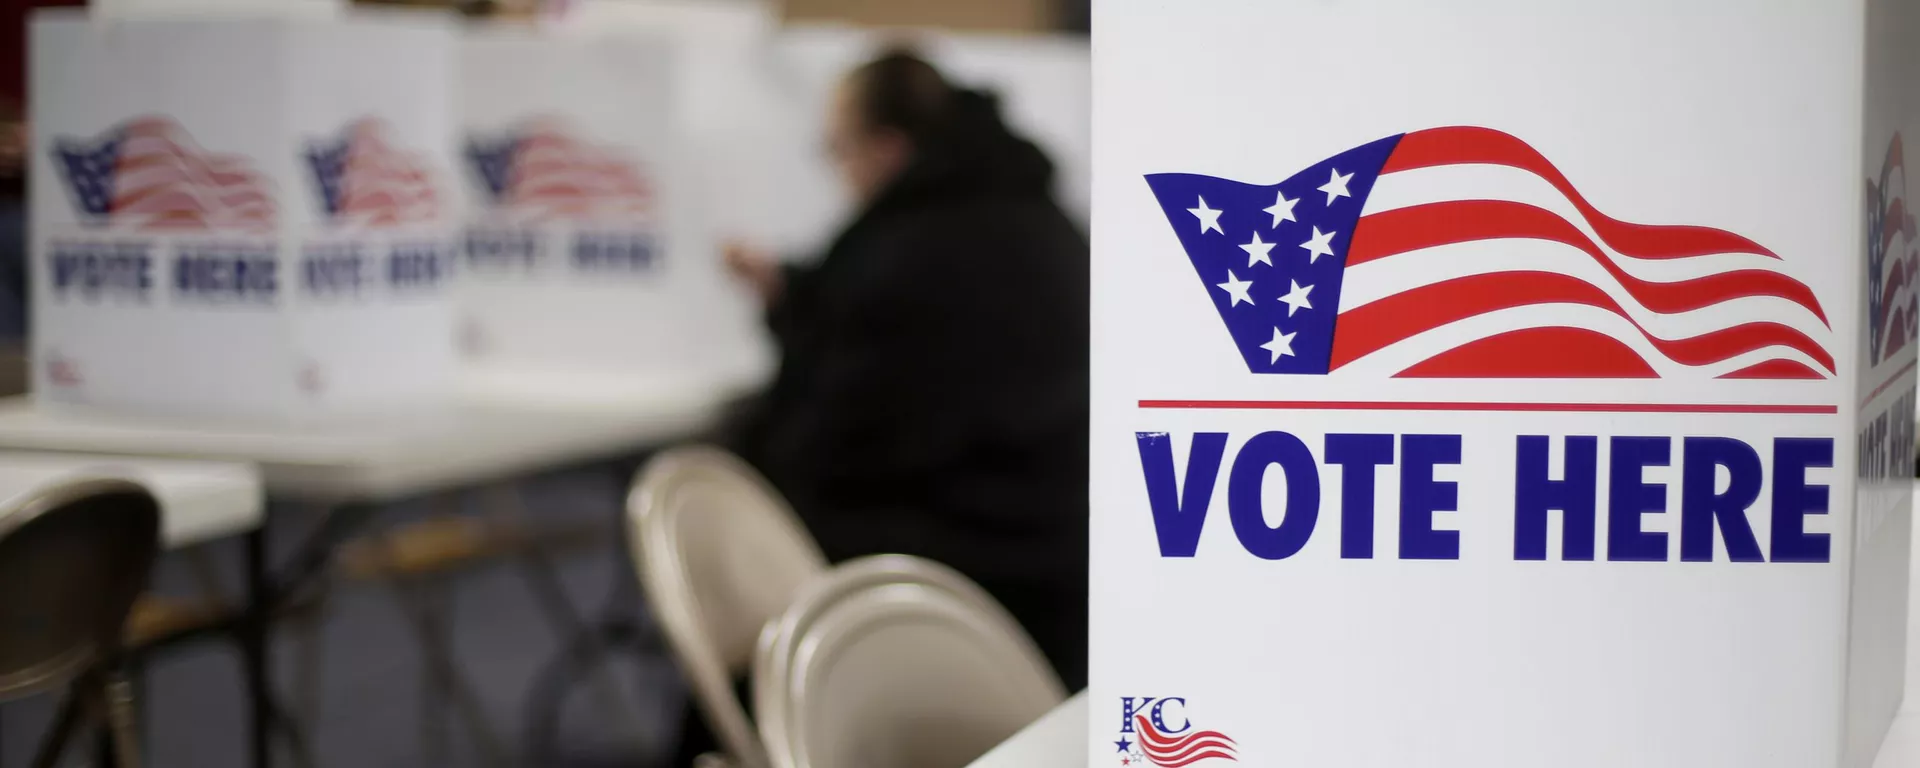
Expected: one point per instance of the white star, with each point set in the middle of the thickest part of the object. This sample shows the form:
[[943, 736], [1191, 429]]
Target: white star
[[1336, 187], [1257, 252], [1282, 208], [1281, 346], [1209, 218], [1236, 288], [1321, 244], [1296, 299]]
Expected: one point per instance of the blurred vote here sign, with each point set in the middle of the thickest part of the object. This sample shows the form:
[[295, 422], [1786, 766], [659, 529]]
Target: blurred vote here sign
[[242, 217], [1497, 386], [583, 248]]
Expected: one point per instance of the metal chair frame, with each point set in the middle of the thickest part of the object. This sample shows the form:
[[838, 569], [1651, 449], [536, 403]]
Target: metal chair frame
[[91, 669], [663, 573]]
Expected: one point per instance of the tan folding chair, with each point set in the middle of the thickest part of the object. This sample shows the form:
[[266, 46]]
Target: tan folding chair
[[719, 553], [73, 559], [895, 662]]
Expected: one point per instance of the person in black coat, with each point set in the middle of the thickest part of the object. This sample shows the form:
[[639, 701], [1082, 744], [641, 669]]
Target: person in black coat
[[932, 392]]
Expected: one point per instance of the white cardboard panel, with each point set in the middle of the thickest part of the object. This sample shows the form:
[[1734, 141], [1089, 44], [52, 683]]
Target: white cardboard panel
[[571, 147], [178, 199], [1883, 519], [1413, 627], [725, 137]]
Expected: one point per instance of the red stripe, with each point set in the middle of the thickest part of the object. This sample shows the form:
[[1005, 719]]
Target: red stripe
[[1209, 754], [1536, 353], [1897, 329], [1403, 230], [1186, 747], [1897, 278], [1152, 739], [1177, 751], [1894, 222], [1384, 405], [1471, 145], [1775, 369], [186, 166], [1888, 382], [1364, 330], [178, 195]]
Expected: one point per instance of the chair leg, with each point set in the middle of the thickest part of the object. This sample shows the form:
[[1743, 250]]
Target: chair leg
[[66, 720], [434, 739], [121, 723], [309, 641]]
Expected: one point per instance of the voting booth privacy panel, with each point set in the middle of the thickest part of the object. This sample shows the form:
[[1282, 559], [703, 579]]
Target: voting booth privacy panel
[[677, 86], [241, 216], [1501, 384], [565, 156]]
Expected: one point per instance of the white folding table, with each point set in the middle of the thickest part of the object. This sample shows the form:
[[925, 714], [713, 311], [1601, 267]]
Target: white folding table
[[199, 500], [1057, 739], [502, 422]]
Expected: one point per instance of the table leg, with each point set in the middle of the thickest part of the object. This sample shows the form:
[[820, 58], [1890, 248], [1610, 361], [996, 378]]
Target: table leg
[[585, 651], [580, 636], [589, 646], [255, 632], [443, 681]]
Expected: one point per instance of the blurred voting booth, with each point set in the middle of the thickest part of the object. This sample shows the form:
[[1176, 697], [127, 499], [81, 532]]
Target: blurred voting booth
[[573, 256], [242, 214], [284, 210], [704, 94], [1525, 384]]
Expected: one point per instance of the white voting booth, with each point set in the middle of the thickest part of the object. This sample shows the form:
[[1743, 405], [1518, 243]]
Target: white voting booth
[[617, 104], [241, 211], [1501, 384], [567, 159]]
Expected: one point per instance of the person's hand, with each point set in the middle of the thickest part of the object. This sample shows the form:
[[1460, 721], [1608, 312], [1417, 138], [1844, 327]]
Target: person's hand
[[759, 270]]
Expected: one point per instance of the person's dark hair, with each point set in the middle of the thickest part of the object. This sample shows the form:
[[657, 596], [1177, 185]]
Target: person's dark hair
[[477, 9], [901, 91]]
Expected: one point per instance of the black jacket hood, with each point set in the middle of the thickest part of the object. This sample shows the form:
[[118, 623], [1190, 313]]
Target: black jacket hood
[[975, 155]]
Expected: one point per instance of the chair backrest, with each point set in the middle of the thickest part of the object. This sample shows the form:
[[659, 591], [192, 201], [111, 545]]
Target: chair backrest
[[896, 662], [719, 554], [73, 558]]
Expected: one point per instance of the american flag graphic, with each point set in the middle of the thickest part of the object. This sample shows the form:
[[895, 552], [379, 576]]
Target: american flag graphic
[[1169, 751], [147, 173], [545, 172], [1893, 304], [364, 181], [1414, 256]]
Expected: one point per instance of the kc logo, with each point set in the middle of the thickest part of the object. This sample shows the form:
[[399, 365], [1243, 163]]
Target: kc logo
[[1157, 731]]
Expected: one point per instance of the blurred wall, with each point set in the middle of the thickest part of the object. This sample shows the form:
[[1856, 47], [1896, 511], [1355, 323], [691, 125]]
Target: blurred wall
[[13, 47], [1020, 15]]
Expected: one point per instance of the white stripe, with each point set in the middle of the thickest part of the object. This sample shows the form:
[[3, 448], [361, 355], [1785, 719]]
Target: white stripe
[[1445, 183], [1375, 280], [1399, 356]]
